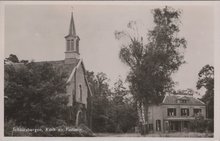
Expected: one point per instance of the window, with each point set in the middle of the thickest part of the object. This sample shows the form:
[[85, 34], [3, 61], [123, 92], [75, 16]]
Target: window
[[171, 112], [68, 45], [197, 111], [184, 112], [151, 127], [183, 101], [74, 96], [80, 93], [72, 45], [158, 125], [77, 44]]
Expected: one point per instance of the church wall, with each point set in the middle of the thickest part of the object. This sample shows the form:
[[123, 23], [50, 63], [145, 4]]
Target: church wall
[[70, 92], [80, 80]]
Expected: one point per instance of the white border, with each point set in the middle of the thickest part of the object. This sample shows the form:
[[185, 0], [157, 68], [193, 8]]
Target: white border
[[215, 4]]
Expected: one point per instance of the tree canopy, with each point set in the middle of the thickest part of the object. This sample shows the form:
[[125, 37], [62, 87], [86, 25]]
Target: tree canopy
[[13, 58], [206, 80], [152, 64], [112, 110], [35, 94]]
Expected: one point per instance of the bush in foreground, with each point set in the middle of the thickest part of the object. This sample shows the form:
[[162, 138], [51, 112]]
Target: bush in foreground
[[61, 131]]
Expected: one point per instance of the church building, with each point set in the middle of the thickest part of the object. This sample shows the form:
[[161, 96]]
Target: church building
[[78, 90]]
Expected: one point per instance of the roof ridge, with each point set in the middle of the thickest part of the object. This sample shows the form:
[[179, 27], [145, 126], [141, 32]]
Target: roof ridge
[[49, 61]]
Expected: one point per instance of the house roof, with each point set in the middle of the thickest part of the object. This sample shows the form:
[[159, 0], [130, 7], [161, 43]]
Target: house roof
[[173, 99]]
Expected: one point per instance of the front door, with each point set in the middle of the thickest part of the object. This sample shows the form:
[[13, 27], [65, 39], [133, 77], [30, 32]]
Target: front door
[[174, 126]]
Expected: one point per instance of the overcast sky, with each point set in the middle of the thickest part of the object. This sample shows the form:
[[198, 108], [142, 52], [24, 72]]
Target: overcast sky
[[37, 32]]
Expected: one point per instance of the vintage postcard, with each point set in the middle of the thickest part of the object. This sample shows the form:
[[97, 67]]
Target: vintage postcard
[[110, 69]]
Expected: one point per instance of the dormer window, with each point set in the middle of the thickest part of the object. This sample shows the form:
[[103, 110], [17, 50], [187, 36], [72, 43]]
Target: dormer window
[[183, 101]]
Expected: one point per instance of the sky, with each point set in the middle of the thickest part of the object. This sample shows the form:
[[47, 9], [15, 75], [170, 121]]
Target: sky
[[36, 32]]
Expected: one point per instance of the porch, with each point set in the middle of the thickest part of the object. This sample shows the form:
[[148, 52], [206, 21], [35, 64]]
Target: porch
[[180, 125]]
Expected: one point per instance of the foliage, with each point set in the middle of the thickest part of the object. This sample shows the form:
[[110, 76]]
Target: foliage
[[8, 127], [206, 80], [35, 95], [199, 124], [112, 110], [12, 58], [186, 92], [123, 109], [100, 90], [59, 131], [210, 125], [152, 64]]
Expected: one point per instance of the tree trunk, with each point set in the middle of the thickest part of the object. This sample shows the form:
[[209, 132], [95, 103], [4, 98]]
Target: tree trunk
[[141, 117]]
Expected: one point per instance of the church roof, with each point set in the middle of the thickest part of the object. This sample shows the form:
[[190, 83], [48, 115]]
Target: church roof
[[173, 99], [59, 65]]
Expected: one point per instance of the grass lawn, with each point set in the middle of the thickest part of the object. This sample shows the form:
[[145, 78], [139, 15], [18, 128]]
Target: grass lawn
[[176, 134]]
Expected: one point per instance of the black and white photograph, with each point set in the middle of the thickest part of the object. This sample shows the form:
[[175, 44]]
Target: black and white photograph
[[120, 69]]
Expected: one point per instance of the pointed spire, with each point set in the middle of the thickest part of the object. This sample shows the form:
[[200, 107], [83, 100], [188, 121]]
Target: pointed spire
[[72, 43], [72, 30]]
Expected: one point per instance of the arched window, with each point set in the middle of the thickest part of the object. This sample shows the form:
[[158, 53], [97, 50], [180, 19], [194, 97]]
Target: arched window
[[80, 93], [77, 45], [68, 45], [73, 95], [72, 45]]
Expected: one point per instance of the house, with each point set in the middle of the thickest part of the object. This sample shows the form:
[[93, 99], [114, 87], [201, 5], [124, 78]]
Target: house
[[78, 89], [175, 113]]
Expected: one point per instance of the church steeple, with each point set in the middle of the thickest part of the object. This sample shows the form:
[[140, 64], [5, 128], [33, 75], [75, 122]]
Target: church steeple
[[72, 43], [72, 30]]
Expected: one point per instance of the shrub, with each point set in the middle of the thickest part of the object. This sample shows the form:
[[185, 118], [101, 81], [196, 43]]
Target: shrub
[[60, 131], [8, 127], [210, 125], [200, 124]]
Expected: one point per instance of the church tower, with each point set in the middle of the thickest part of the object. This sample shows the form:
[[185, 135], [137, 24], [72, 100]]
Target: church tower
[[72, 44]]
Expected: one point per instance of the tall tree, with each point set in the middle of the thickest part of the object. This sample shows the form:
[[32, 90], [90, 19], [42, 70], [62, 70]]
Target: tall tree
[[100, 90], [122, 110], [113, 111], [152, 64], [206, 80]]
